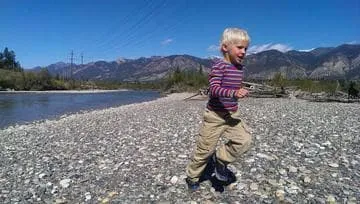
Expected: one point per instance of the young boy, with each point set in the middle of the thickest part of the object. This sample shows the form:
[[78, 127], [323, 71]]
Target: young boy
[[221, 115]]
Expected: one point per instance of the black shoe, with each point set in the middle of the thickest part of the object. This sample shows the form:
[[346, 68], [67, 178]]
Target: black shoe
[[222, 173], [193, 186], [231, 178]]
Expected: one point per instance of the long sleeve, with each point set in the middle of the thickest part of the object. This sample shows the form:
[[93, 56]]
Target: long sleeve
[[215, 80]]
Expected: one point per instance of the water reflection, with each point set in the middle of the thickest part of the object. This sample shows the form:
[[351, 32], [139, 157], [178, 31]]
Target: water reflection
[[6, 103], [21, 108]]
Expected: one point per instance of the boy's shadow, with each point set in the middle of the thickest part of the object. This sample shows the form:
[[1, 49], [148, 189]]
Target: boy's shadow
[[208, 174]]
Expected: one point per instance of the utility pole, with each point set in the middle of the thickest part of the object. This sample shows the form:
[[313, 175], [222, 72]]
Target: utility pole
[[71, 64], [82, 59]]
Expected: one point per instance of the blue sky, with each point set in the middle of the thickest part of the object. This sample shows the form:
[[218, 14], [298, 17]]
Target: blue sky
[[45, 32]]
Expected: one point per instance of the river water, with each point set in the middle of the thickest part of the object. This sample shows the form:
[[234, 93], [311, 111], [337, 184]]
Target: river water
[[22, 108]]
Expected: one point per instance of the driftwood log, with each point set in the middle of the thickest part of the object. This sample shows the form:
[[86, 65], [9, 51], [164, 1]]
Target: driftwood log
[[255, 90], [265, 91]]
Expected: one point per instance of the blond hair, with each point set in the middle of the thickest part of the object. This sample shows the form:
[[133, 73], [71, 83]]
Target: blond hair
[[233, 36]]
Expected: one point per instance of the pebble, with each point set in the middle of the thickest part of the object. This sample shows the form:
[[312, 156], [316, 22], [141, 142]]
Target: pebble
[[282, 172], [182, 156], [174, 180], [280, 195], [254, 186], [272, 182], [331, 199], [60, 201], [42, 175], [335, 165], [163, 202], [292, 169], [65, 183], [307, 179], [54, 190], [232, 186], [352, 200], [87, 196]]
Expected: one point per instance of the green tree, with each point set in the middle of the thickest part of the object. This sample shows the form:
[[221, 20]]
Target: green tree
[[186, 80], [45, 78], [279, 80], [1, 60], [8, 60], [352, 91], [178, 76]]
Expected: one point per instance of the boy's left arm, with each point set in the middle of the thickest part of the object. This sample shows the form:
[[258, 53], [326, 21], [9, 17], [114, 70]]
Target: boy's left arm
[[241, 93]]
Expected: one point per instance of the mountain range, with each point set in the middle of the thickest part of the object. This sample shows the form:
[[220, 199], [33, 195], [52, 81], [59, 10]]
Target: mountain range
[[341, 62]]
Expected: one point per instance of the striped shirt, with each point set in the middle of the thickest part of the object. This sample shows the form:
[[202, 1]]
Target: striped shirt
[[224, 80]]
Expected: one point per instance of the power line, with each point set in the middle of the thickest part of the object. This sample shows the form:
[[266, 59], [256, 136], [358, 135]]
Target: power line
[[144, 20], [129, 39], [131, 36], [133, 30], [168, 29], [114, 32], [119, 26]]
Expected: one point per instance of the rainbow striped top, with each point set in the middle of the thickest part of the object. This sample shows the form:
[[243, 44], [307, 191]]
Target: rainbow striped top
[[224, 79]]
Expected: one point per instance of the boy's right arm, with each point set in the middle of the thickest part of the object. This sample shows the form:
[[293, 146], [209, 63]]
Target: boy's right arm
[[215, 78]]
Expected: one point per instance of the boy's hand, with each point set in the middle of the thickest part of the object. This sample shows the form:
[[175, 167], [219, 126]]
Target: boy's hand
[[241, 93]]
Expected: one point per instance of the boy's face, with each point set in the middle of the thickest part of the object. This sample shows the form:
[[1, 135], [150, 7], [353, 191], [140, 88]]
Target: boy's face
[[235, 53]]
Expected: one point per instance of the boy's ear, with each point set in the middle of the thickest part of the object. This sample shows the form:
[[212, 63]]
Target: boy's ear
[[224, 48]]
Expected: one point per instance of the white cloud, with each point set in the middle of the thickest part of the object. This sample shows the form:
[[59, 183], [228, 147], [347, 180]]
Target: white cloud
[[212, 56], [166, 42], [352, 42], [213, 48], [270, 46], [306, 50]]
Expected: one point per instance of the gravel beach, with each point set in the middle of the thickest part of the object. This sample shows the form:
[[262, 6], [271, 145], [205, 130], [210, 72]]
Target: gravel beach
[[302, 152]]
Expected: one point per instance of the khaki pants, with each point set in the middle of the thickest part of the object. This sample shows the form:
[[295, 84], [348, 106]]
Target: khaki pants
[[216, 124]]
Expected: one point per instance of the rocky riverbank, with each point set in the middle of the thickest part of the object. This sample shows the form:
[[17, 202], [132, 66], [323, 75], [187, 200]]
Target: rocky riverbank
[[302, 152]]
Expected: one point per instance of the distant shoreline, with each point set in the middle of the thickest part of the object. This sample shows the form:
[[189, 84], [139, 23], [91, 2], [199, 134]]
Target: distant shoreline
[[65, 91]]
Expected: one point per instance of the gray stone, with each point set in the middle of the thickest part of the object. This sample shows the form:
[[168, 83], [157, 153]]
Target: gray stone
[[87, 196], [65, 183], [254, 186], [335, 165], [331, 199], [174, 180], [307, 179], [280, 195], [292, 169]]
